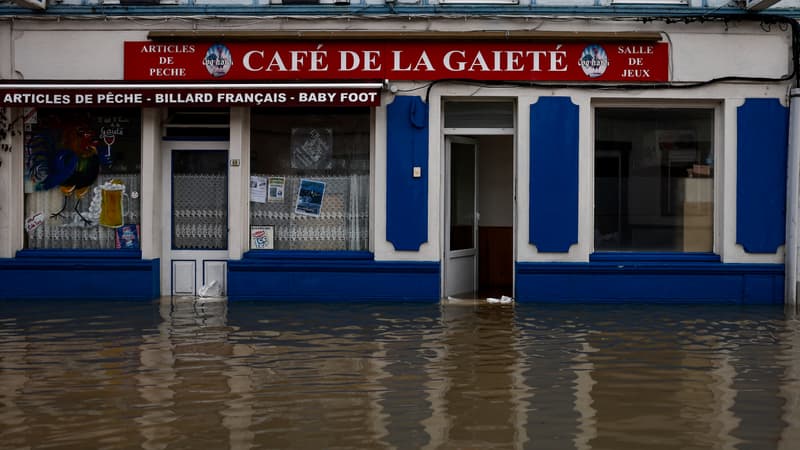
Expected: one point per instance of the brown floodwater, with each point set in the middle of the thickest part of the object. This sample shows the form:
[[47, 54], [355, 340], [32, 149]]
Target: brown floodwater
[[181, 373]]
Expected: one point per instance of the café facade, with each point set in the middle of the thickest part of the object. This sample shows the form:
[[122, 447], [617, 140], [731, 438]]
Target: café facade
[[397, 158]]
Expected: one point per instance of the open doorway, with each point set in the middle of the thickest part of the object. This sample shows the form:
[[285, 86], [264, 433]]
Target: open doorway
[[479, 215]]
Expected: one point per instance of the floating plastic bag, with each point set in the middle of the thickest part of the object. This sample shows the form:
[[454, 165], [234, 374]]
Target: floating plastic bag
[[212, 289], [504, 300]]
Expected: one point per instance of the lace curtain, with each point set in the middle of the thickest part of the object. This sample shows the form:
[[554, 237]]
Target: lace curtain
[[342, 223], [200, 211], [69, 230]]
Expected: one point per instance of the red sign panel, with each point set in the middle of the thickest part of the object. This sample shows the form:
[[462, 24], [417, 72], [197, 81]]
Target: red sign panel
[[217, 95], [398, 60]]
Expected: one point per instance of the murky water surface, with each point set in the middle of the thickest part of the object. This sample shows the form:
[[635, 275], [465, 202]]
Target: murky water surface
[[186, 374]]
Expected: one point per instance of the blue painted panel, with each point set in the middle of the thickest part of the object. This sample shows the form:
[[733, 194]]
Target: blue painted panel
[[122, 253], [79, 278], [325, 255], [320, 279], [762, 137], [406, 196], [662, 257], [553, 185], [637, 281]]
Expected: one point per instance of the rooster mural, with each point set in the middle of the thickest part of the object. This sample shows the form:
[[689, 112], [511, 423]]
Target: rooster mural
[[64, 155]]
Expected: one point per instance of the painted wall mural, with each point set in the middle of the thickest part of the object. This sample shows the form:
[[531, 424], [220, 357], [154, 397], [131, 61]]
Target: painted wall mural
[[81, 173]]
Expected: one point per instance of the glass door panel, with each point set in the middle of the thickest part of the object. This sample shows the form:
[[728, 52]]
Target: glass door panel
[[462, 196], [199, 200], [461, 253]]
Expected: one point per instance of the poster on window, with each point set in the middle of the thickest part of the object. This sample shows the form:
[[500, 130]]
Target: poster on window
[[262, 237], [309, 197], [276, 188], [33, 222], [127, 236], [258, 189], [312, 148]]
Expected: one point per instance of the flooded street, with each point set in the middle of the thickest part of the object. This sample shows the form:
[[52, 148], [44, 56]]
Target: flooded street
[[179, 373]]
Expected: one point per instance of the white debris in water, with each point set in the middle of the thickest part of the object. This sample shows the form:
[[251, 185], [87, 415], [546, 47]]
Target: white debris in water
[[504, 300], [212, 289]]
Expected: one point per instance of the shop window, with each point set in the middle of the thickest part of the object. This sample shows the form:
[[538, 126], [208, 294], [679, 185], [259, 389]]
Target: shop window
[[310, 179], [82, 178], [654, 179], [478, 114], [197, 123]]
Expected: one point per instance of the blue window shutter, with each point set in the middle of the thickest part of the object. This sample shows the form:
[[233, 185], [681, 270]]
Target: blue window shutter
[[553, 185], [762, 144], [406, 196]]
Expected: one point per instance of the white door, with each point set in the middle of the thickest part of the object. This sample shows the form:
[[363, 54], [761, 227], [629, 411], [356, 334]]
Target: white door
[[195, 227], [461, 215]]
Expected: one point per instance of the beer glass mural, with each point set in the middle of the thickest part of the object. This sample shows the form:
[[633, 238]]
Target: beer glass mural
[[111, 208], [82, 175]]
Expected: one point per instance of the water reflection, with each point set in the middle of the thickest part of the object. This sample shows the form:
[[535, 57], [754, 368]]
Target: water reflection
[[476, 390], [789, 359], [182, 373]]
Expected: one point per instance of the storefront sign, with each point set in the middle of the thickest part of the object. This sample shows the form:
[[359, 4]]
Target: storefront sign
[[396, 60], [186, 95]]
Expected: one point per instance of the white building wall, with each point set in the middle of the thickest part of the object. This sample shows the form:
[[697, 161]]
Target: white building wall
[[75, 50], [152, 186], [70, 54], [704, 55], [80, 49]]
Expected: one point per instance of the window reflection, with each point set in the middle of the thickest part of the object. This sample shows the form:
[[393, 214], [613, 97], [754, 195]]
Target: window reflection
[[312, 167], [654, 179]]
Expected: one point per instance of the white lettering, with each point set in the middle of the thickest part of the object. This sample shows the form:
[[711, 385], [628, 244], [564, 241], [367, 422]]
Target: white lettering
[[460, 64], [536, 57], [513, 63], [360, 97], [635, 50], [165, 72], [557, 63], [298, 59], [119, 98], [84, 98], [276, 61], [348, 60], [246, 60], [318, 63], [636, 73], [424, 62], [479, 63], [396, 56], [370, 61], [366, 61]]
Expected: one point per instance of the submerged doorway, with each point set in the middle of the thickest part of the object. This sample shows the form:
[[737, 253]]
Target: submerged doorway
[[196, 215], [479, 216]]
